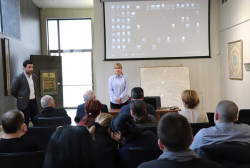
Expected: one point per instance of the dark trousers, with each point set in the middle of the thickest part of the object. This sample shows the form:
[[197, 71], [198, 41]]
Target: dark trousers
[[31, 111], [117, 106]]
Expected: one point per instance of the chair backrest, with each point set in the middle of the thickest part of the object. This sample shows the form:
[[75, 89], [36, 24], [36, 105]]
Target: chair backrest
[[106, 158], [210, 116], [53, 121], [244, 116], [150, 100], [157, 99], [150, 126], [140, 155], [229, 155], [198, 126], [39, 135], [22, 160]]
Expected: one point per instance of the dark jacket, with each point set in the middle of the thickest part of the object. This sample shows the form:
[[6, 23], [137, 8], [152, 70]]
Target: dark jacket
[[152, 126], [147, 140], [81, 111], [196, 163], [21, 91], [106, 147], [104, 140], [150, 109], [229, 155], [17, 145], [50, 112]]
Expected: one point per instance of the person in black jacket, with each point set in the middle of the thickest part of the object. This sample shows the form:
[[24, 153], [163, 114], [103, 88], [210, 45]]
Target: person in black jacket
[[88, 95], [49, 110], [124, 131], [70, 147], [175, 138], [103, 142], [138, 93], [13, 128], [100, 132], [139, 113]]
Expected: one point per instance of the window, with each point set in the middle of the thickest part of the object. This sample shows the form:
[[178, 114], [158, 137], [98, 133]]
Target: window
[[72, 39]]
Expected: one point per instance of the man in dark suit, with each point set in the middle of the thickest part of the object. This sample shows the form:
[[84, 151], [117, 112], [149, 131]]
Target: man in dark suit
[[49, 110], [23, 87], [88, 95], [138, 93]]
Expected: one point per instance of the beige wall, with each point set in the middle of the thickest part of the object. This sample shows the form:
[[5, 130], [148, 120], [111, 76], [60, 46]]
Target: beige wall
[[204, 73], [61, 13], [235, 25]]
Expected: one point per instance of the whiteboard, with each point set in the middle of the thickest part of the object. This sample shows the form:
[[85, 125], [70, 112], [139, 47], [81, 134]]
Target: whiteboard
[[166, 82]]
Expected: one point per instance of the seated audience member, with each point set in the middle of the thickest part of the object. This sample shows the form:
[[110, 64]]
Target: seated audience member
[[191, 100], [100, 132], [93, 109], [175, 137], [138, 93], [13, 128], [70, 146], [48, 105], [88, 95], [124, 130], [224, 130], [139, 113]]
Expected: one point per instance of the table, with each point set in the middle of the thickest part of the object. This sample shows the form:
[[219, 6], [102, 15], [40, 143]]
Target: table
[[159, 111], [164, 110]]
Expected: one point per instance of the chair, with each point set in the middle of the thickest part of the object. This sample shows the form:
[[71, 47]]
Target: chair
[[244, 116], [140, 155], [210, 116], [106, 158], [22, 160], [150, 126], [150, 100], [157, 99], [229, 155], [196, 127], [153, 129], [40, 135], [53, 121]]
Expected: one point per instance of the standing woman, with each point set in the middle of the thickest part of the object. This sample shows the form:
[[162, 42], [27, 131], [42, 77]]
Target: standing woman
[[118, 88]]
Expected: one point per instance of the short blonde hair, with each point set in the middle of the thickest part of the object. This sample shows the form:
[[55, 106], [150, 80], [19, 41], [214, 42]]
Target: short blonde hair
[[118, 66], [190, 98], [103, 120]]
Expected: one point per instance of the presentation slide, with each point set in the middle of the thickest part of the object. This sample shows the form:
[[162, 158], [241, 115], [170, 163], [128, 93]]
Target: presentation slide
[[157, 29]]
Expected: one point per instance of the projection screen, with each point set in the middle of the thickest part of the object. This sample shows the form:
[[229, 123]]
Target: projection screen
[[157, 29]]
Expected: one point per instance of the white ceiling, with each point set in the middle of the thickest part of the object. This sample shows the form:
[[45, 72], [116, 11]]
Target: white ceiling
[[64, 3]]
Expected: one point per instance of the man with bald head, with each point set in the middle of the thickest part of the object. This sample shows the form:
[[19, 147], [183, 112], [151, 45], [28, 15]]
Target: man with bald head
[[48, 105], [13, 128], [224, 130], [88, 95]]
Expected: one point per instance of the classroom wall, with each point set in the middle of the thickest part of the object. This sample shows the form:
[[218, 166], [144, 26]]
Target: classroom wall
[[234, 19], [204, 73], [20, 50]]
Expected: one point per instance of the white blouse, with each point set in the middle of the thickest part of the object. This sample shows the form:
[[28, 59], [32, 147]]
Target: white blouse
[[195, 115]]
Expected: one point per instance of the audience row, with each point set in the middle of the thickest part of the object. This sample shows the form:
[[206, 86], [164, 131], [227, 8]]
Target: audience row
[[84, 145]]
